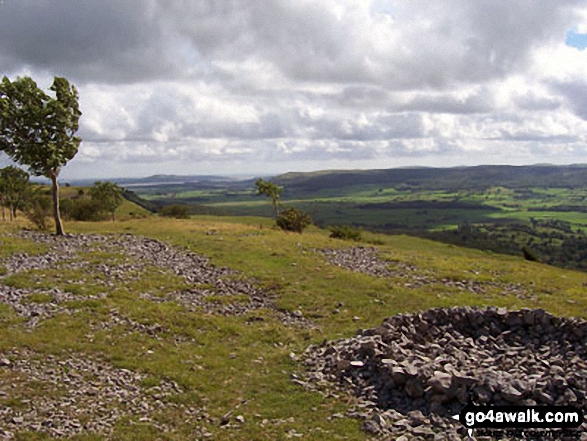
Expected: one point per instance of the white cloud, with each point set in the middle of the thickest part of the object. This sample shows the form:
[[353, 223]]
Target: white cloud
[[278, 85]]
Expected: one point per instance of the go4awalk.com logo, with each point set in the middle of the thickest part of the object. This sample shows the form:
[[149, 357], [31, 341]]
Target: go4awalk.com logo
[[518, 418]]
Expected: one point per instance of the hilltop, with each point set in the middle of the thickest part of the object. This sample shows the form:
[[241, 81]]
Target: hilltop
[[195, 329]]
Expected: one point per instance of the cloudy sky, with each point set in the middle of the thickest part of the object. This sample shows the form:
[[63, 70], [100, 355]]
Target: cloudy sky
[[268, 86]]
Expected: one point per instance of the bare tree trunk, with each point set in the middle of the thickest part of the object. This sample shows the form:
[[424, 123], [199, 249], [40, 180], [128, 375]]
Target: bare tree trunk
[[114, 216], [14, 212], [3, 210], [10, 212], [57, 216]]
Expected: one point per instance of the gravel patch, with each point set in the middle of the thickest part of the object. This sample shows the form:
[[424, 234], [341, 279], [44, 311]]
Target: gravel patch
[[81, 395], [140, 254], [365, 260], [20, 300], [415, 371]]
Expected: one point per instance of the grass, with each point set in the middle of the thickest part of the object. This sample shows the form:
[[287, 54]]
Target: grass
[[11, 245], [241, 365]]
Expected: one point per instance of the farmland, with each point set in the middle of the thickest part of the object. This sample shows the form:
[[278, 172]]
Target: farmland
[[540, 208]]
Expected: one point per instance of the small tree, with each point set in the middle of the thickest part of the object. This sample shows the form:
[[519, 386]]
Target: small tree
[[292, 219], [14, 189], [38, 131], [271, 190], [108, 196], [38, 210]]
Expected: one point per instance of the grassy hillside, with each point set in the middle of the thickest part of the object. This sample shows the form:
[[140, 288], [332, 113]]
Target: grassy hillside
[[226, 365]]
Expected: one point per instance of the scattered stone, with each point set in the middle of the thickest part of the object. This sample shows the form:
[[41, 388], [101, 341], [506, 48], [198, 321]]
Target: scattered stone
[[82, 395], [138, 254], [365, 260]]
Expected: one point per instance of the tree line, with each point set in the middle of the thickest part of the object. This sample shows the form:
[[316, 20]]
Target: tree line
[[17, 193]]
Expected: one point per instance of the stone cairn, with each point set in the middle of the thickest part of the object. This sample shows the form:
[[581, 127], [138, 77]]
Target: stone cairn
[[414, 372]]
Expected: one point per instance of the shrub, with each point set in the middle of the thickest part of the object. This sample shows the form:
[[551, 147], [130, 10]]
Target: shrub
[[345, 232], [292, 219], [177, 211], [81, 209], [39, 211], [66, 208], [529, 255]]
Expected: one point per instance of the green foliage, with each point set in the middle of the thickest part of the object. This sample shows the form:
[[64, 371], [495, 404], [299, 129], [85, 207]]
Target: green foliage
[[293, 219], [81, 209], [37, 130], [177, 211], [529, 255], [550, 241], [107, 196], [14, 189], [39, 210], [345, 232], [270, 190]]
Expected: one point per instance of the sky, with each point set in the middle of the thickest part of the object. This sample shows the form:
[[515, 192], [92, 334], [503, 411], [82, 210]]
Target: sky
[[260, 87]]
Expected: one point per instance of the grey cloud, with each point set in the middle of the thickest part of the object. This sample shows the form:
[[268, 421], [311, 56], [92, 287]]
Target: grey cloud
[[481, 101], [365, 126], [535, 137], [102, 41], [531, 101], [363, 96], [472, 42], [429, 44], [575, 94]]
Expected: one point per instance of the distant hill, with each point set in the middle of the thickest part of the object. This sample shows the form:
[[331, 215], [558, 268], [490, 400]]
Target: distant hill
[[170, 179], [160, 179], [478, 177]]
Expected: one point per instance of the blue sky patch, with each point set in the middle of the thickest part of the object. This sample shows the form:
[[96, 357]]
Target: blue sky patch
[[577, 40]]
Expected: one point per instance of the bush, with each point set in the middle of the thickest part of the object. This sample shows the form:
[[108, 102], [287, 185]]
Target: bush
[[39, 211], [81, 210], [177, 211], [529, 255], [292, 219], [345, 232]]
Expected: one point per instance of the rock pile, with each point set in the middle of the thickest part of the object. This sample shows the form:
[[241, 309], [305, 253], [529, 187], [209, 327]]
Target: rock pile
[[81, 395], [415, 371]]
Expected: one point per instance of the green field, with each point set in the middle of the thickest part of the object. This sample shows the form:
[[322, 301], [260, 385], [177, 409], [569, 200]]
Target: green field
[[414, 206]]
